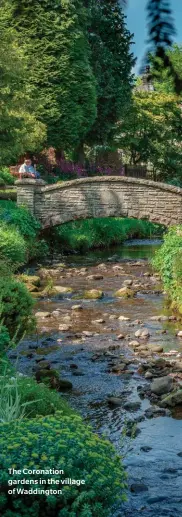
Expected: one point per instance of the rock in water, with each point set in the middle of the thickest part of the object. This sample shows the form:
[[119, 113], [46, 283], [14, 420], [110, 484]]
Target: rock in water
[[162, 385], [125, 292], [93, 294]]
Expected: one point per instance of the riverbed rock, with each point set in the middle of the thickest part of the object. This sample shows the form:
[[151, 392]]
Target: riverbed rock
[[160, 317], [77, 307], [156, 348], [64, 327], [134, 343], [30, 279], [87, 333], [138, 487], [162, 385], [172, 400], [93, 294], [115, 401], [63, 290], [148, 375], [132, 406], [42, 314], [123, 318], [95, 277], [118, 368], [179, 334], [99, 321], [55, 314], [125, 292], [121, 336], [113, 317], [142, 333], [128, 282]]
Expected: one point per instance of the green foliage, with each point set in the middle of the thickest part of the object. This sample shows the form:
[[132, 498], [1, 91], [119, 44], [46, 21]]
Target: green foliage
[[19, 217], [19, 232], [12, 244], [19, 128], [168, 262], [54, 40], [98, 233], [151, 133], [16, 306], [112, 62], [163, 82], [4, 338], [6, 177], [43, 400], [65, 443]]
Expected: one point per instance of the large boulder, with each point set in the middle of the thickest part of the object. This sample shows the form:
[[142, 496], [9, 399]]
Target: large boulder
[[162, 385]]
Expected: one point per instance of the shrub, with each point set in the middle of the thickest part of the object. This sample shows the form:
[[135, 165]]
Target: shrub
[[6, 176], [21, 218], [168, 262], [43, 400], [16, 306], [64, 443], [12, 245], [4, 338]]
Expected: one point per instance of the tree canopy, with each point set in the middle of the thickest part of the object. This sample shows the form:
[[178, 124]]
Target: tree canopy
[[53, 37], [19, 128], [112, 62], [152, 132]]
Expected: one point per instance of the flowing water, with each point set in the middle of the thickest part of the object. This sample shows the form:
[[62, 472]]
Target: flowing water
[[85, 355]]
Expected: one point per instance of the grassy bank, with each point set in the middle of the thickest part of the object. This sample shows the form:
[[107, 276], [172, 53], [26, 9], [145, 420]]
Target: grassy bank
[[102, 233], [168, 262]]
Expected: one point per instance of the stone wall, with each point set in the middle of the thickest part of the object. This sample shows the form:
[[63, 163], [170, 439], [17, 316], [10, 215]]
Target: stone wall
[[101, 197]]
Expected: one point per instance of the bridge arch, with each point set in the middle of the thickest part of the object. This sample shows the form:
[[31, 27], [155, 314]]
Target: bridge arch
[[111, 196]]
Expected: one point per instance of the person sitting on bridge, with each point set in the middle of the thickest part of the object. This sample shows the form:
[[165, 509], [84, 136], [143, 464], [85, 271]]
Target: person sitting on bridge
[[28, 170]]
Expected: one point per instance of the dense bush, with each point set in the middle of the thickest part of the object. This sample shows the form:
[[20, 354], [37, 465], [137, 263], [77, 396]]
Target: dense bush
[[5, 177], [168, 262], [103, 232], [16, 306], [12, 244], [19, 217], [65, 443], [19, 232]]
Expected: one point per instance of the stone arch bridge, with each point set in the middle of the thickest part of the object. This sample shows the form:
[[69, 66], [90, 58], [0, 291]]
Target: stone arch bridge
[[106, 196]]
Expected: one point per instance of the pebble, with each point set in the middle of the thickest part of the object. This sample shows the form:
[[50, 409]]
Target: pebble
[[42, 314], [64, 328], [76, 308], [123, 318]]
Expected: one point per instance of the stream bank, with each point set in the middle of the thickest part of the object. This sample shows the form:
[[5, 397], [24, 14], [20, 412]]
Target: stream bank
[[89, 342]]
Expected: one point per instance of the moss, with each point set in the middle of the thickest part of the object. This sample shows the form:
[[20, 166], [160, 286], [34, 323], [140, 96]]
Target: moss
[[125, 292], [93, 294]]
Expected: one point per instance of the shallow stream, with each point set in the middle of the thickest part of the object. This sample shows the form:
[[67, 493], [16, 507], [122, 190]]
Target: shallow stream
[[85, 355]]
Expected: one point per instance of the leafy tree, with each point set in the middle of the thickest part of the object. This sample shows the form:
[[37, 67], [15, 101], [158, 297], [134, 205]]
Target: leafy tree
[[112, 61], [19, 129], [152, 131], [53, 36], [163, 83]]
